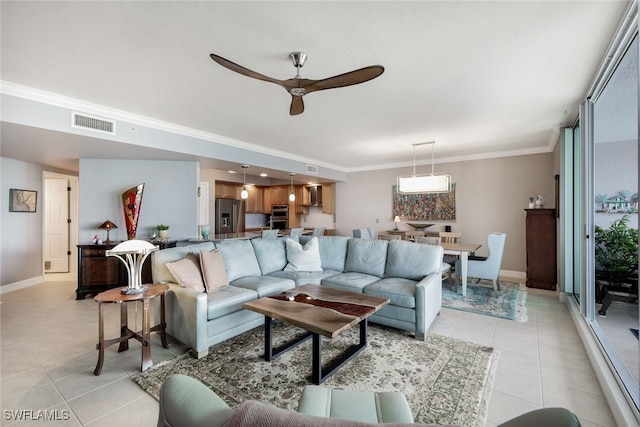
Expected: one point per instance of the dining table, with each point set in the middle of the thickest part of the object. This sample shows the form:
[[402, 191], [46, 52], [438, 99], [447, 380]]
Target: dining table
[[462, 250]]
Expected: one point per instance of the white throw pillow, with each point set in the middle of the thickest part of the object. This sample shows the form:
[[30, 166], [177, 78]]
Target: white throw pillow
[[303, 258]]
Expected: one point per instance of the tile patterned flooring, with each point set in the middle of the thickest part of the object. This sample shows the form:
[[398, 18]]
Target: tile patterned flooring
[[47, 355]]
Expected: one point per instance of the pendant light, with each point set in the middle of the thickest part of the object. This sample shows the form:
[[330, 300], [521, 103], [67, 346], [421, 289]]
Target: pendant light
[[244, 194], [292, 195], [423, 184]]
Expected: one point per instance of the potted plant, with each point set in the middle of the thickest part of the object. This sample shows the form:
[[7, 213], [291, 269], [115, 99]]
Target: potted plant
[[616, 251], [163, 231]]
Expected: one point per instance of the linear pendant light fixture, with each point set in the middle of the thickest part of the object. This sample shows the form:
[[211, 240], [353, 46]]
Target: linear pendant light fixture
[[244, 194], [423, 184]]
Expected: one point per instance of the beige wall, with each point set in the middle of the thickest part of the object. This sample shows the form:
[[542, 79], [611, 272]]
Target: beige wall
[[491, 196]]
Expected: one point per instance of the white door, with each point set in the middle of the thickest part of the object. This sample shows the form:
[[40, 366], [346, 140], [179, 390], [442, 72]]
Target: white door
[[56, 226]]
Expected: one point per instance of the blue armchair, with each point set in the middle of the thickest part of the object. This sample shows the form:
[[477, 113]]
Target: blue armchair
[[488, 268]]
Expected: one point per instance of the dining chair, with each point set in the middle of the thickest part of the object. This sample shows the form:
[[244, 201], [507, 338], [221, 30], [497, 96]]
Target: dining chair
[[450, 237], [489, 268], [364, 233], [445, 268], [389, 237], [319, 231], [296, 233], [269, 234]]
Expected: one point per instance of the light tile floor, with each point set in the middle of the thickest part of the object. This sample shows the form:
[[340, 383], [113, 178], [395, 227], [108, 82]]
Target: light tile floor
[[47, 355]]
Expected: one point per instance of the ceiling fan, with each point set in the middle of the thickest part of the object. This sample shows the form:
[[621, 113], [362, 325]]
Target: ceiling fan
[[297, 86]]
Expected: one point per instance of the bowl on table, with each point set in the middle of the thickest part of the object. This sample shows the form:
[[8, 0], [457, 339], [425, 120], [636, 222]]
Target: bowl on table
[[419, 226]]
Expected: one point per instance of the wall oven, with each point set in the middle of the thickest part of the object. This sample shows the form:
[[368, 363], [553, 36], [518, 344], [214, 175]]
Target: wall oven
[[280, 217]]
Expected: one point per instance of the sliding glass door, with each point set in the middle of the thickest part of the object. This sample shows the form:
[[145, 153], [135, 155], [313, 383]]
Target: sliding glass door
[[606, 217]]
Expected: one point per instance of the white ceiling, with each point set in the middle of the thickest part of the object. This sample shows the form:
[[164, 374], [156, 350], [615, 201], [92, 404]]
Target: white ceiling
[[480, 78]]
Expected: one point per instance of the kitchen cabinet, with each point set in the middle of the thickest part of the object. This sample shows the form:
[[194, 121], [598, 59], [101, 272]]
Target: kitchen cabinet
[[275, 195], [227, 190], [299, 207], [541, 248], [255, 201], [329, 198]]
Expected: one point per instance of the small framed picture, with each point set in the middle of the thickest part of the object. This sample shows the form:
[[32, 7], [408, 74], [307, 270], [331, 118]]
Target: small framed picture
[[22, 200]]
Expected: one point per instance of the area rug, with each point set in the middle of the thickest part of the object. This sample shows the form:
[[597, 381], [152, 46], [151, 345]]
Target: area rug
[[445, 380], [507, 303]]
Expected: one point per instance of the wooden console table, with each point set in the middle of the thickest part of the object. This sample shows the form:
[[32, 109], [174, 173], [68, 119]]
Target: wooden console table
[[144, 336]]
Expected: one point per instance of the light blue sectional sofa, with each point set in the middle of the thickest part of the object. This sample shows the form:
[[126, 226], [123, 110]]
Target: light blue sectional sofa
[[406, 273]]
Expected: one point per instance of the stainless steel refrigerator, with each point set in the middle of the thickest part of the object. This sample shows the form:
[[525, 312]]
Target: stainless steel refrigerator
[[229, 216]]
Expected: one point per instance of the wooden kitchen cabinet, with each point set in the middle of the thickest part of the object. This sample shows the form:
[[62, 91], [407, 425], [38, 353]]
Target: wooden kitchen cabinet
[[227, 190], [255, 201], [302, 194], [329, 198], [541, 248]]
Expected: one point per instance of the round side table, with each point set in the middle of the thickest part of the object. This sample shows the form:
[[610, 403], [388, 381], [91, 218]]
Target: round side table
[[115, 296]]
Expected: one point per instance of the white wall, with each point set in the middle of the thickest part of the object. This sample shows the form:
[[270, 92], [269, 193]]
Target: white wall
[[170, 197], [491, 196]]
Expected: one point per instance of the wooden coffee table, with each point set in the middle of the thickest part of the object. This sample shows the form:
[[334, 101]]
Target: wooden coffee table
[[320, 310]]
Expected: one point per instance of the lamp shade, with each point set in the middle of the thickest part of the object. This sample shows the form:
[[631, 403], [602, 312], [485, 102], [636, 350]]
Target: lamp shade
[[396, 219], [107, 225], [419, 184]]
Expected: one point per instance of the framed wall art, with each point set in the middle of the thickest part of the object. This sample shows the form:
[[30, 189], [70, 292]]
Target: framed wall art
[[22, 200], [425, 207]]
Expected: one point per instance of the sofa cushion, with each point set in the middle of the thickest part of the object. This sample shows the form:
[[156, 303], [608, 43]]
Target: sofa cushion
[[303, 257], [271, 254], [305, 277], [412, 260], [264, 285], [239, 259], [186, 273], [354, 282], [213, 273], [366, 256], [399, 291], [159, 260], [333, 250], [227, 300]]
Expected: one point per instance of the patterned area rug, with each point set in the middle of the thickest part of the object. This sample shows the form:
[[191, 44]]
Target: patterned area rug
[[507, 303], [446, 381]]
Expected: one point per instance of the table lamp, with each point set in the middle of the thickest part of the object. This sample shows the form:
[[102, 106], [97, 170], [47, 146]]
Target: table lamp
[[396, 220], [133, 253], [107, 225]]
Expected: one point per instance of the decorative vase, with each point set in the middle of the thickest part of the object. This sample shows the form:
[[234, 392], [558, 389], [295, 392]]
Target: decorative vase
[[131, 202], [204, 231], [163, 234]]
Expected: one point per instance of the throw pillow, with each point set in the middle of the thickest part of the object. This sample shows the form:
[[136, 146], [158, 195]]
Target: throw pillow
[[303, 258], [212, 266], [187, 273]]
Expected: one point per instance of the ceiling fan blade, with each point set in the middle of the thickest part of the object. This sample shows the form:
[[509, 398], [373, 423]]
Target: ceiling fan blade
[[347, 79], [244, 71], [297, 105]]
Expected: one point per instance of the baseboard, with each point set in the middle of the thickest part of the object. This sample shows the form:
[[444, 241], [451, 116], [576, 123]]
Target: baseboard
[[623, 411], [21, 284], [515, 274]]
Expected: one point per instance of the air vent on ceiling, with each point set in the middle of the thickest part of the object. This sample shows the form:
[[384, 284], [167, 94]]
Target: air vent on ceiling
[[85, 121], [312, 169]]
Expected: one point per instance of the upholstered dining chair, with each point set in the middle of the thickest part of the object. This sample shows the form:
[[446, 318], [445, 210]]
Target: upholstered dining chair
[[445, 269], [389, 237], [319, 231], [364, 233], [269, 234], [296, 232], [489, 268]]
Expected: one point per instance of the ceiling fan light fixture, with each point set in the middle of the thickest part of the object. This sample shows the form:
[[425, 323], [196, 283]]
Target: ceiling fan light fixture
[[424, 184]]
